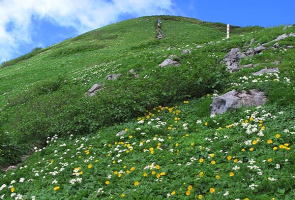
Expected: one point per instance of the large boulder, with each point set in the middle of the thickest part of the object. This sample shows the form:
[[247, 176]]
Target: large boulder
[[232, 59], [235, 99], [112, 77], [170, 61], [94, 89]]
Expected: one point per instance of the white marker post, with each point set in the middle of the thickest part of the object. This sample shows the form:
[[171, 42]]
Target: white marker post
[[227, 31]]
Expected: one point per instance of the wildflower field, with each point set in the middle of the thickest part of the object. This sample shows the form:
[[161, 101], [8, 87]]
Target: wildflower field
[[149, 137]]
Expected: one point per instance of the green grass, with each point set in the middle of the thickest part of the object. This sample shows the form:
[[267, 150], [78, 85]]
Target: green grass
[[43, 95], [188, 149]]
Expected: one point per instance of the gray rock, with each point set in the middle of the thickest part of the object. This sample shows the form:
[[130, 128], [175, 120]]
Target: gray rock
[[235, 99], [133, 73], [233, 58], [264, 71], [254, 51], [259, 49], [170, 61], [186, 51], [281, 37], [113, 77], [121, 133], [94, 89]]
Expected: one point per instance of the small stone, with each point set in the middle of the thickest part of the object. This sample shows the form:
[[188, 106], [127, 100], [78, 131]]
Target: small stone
[[186, 51], [121, 133], [172, 60], [94, 89], [113, 77]]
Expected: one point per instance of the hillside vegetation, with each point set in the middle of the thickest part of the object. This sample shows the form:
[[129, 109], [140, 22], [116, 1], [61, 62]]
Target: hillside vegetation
[[151, 136]]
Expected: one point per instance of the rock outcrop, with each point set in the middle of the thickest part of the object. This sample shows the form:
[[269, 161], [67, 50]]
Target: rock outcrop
[[235, 99], [232, 59], [94, 89]]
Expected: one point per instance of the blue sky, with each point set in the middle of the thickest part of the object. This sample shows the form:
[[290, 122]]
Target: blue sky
[[26, 24]]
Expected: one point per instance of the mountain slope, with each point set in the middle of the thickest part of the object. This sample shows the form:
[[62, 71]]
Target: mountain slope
[[194, 156]]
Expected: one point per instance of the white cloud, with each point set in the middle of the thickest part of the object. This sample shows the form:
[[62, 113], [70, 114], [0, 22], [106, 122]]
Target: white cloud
[[82, 15]]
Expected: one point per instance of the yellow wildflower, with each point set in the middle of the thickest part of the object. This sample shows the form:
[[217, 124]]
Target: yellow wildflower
[[123, 195], [136, 183], [200, 196], [269, 160], [269, 141], [90, 166], [217, 177], [212, 190], [278, 135], [201, 160], [212, 155], [213, 162], [12, 189], [187, 193], [229, 157], [56, 188], [173, 193], [231, 174], [107, 182]]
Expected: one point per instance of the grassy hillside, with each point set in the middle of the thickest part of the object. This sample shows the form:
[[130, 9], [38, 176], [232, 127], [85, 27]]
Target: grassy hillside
[[174, 149]]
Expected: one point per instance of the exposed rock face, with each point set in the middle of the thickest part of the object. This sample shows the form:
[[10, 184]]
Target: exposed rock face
[[170, 61], [186, 51], [233, 58], [112, 77], [94, 89], [264, 71], [235, 99]]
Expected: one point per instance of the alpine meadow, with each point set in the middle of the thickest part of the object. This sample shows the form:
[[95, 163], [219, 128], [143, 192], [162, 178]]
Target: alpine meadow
[[140, 110]]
